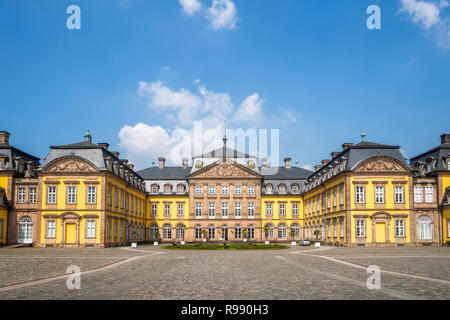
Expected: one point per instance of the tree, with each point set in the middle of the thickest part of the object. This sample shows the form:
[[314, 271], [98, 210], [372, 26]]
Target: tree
[[317, 233]]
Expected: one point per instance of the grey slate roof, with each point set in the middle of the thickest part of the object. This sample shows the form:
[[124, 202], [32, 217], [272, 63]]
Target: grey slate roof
[[283, 173], [166, 173], [355, 154], [438, 153], [229, 153], [11, 153]]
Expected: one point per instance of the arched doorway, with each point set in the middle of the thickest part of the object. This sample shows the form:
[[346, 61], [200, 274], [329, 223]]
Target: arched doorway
[[25, 230]]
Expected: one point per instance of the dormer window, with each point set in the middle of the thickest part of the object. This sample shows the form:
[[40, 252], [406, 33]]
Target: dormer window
[[167, 188], [269, 189], [295, 188], [155, 188], [180, 188], [282, 188]]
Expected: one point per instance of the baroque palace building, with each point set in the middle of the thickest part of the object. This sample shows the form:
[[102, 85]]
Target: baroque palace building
[[84, 195]]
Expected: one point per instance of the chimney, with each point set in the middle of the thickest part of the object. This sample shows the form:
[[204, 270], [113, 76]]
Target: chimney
[[161, 162], [345, 146], [115, 153], [334, 154], [287, 163], [317, 167], [104, 145], [264, 162], [124, 161], [325, 162], [131, 166], [445, 138], [184, 162], [4, 137]]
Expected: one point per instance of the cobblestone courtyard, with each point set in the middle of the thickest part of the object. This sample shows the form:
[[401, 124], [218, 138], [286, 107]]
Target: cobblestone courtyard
[[149, 272]]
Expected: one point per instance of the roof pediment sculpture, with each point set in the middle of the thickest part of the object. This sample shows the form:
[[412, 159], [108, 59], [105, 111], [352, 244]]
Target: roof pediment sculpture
[[380, 164], [71, 165], [225, 170]]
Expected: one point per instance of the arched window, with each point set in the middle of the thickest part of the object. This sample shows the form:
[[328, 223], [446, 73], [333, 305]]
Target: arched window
[[154, 188], [295, 188], [268, 231], [25, 230], [424, 228], [282, 234], [167, 231], [180, 188], [153, 231], [180, 231], [269, 189], [198, 232], [282, 188], [211, 232], [295, 231], [167, 188], [237, 232], [251, 232]]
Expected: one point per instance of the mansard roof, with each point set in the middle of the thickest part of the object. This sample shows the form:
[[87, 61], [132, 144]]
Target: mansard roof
[[283, 173], [437, 153], [229, 153], [166, 173], [12, 153]]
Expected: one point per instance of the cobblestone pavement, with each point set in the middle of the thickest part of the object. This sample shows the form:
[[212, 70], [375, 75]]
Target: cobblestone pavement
[[298, 273]]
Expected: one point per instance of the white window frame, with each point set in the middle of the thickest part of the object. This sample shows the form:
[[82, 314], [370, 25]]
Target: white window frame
[[360, 194], [418, 194], [269, 209], [282, 209], [225, 190], [198, 210], [225, 210], [399, 228], [424, 228], [237, 190], [167, 232], [92, 195], [335, 228], [211, 210], [90, 228], [251, 210], [237, 210], [180, 209], [51, 194], [341, 196], [211, 189], [334, 198], [32, 195], [342, 228], [198, 190], [295, 209], [71, 194], [360, 228], [167, 208], [251, 190], [429, 194], [51, 229], [282, 231], [399, 194], [154, 209], [21, 195], [379, 194], [198, 232]]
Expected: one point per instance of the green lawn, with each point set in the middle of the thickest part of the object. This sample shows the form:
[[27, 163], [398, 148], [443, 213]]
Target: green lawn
[[231, 246]]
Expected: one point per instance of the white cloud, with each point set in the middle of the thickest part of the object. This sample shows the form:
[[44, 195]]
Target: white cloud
[[427, 14], [222, 14], [250, 109], [308, 167], [421, 12], [190, 7]]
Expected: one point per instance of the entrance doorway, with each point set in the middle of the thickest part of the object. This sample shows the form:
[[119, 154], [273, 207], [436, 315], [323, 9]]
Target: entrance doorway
[[25, 230], [70, 234], [225, 233], [380, 228]]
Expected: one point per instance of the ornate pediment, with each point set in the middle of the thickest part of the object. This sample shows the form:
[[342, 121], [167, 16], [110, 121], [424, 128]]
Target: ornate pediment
[[380, 164], [225, 170], [71, 165]]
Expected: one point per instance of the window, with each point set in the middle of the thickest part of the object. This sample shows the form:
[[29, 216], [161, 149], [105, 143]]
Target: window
[[360, 228], [295, 209], [268, 209], [224, 189], [295, 231], [251, 232], [251, 190], [282, 231], [398, 194], [329, 229], [211, 232], [268, 231], [237, 232], [122, 199], [115, 228], [418, 196], [237, 210], [1, 228], [90, 228], [198, 209], [71, 194], [21, 195], [153, 231], [269, 189], [328, 200], [180, 210], [448, 228], [212, 190], [155, 189], [167, 188], [116, 199], [429, 194], [323, 202], [32, 195], [282, 209], [108, 232], [399, 228], [167, 231], [198, 189], [198, 232], [92, 195], [294, 188], [379, 194], [424, 228], [212, 210], [335, 228], [109, 196], [167, 209], [251, 210], [341, 223], [359, 194], [448, 164], [180, 189], [51, 228], [180, 231], [282, 188], [224, 209], [127, 202], [341, 194], [154, 209], [237, 190], [334, 198]]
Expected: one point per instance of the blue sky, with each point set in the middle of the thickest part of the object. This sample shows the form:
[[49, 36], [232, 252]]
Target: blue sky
[[139, 70]]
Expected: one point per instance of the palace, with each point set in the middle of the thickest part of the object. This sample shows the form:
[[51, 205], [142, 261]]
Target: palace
[[84, 195]]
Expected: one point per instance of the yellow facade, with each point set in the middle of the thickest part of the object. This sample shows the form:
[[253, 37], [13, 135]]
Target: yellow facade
[[174, 219]]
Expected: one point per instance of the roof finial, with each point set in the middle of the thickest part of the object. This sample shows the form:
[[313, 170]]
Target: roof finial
[[363, 136], [88, 137], [225, 142]]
